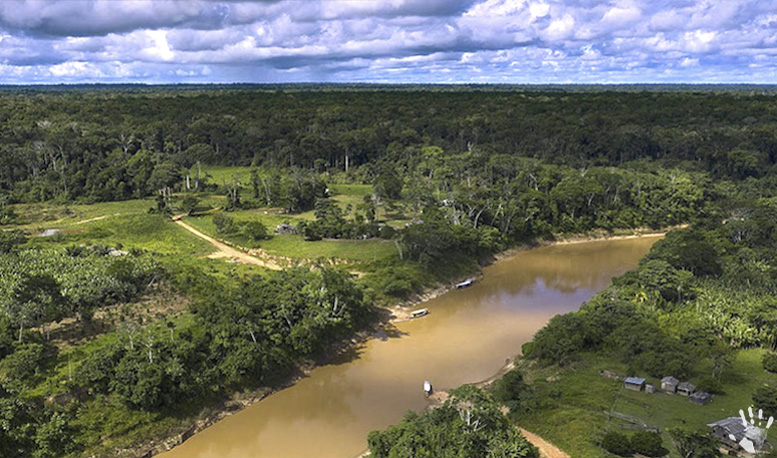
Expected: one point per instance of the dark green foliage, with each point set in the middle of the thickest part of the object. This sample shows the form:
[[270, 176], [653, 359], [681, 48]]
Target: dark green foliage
[[54, 438], [691, 250], [710, 385], [387, 184], [468, 425], [254, 230], [331, 223], [617, 443], [189, 204], [770, 362], [765, 398], [695, 444], [7, 213], [24, 363], [512, 391], [224, 223], [9, 240], [432, 239], [40, 286], [17, 434], [133, 143], [648, 443]]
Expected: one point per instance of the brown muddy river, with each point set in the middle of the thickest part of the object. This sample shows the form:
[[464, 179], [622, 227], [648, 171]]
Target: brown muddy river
[[466, 338]]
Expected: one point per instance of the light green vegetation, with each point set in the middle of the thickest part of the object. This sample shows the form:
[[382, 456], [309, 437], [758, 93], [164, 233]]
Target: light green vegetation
[[219, 175], [578, 396], [141, 231], [294, 246], [355, 250], [47, 215]]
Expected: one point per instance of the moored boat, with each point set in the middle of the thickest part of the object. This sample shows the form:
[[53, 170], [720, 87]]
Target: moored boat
[[465, 283], [419, 313]]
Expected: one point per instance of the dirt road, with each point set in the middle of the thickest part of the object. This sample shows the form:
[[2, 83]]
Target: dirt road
[[226, 251], [547, 450]]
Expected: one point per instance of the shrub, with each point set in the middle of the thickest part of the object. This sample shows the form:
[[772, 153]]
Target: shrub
[[765, 398], [255, 230], [769, 362], [512, 391], [25, 362], [710, 385], [648, 443], [617, 443], [224, 224]]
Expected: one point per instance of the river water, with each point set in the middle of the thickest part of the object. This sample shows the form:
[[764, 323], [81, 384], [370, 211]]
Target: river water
[[466, 338]]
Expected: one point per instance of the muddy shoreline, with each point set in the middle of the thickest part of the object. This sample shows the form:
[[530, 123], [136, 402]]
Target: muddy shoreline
[[385, 318]]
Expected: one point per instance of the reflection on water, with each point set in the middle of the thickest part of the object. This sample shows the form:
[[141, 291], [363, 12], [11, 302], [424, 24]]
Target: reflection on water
[[465, 338]]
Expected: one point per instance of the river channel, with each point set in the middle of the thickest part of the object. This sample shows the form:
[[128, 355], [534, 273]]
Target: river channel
[[465, 338]]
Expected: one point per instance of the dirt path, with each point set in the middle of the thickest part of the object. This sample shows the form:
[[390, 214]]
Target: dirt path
[[226, 251], [547, 450], [97, 218]]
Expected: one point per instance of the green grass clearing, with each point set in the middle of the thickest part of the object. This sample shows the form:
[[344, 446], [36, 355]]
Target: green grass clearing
[[577, 397]]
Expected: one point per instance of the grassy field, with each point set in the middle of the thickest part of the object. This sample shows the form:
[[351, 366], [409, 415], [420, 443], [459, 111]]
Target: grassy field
[[225, 174], [37, 216], [577, 398], [141, 231], [294, 246], [128, 224]]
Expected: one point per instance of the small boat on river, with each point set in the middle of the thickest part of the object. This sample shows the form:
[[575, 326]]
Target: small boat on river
[[465, 283], [427, 388], [419, 313]]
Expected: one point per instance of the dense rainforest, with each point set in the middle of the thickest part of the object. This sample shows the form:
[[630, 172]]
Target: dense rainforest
[[454, 176]]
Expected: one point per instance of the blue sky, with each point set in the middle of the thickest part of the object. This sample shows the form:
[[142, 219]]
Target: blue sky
[[401, 41]]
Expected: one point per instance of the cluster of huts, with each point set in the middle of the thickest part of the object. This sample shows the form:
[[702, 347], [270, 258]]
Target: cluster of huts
[[669, 385]]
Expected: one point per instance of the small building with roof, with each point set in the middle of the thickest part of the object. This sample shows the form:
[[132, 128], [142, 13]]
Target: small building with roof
[[729, 431], [634, 383], [669, 384], [286, 228], [732, 430], [700, 398], [686, 388]]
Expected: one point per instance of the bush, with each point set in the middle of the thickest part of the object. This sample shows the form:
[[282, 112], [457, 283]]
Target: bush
[[617, 443], [710, 385], [512, 391], [224, 224], [255, 230], [648, 443], [765, 398], [11, 239], [25, 362], [769, 362]]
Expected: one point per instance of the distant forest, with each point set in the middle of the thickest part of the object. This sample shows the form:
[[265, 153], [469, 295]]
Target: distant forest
[[95, 145]]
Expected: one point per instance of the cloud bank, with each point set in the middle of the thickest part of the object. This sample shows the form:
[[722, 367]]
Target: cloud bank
[[435, 41]]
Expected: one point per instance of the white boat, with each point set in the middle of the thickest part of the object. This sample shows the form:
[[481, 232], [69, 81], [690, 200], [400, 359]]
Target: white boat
[[418, 313], [427, 388], [465, 283]]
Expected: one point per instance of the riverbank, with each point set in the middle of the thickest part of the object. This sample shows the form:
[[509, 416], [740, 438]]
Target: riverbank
[[401, 311], [346, 351]]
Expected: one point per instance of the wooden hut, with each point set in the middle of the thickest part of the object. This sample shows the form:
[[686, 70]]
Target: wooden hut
[[634, 383], [686, 388], [700, 398], [669, 384]]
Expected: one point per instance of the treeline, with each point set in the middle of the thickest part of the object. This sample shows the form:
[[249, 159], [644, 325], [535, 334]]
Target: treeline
[[96, 146], [468, 425], [246, 336]]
